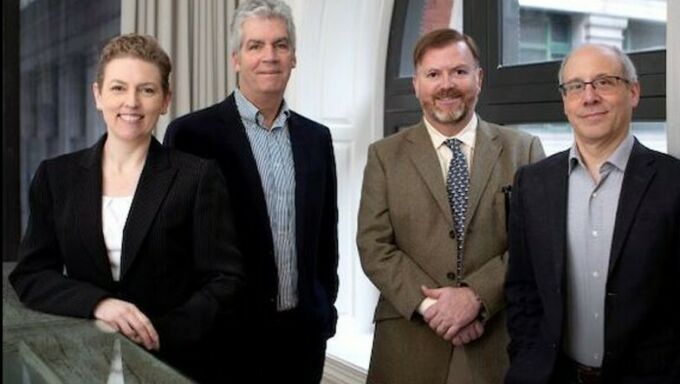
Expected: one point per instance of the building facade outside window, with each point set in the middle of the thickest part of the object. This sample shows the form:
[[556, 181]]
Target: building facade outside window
[[59, 47]]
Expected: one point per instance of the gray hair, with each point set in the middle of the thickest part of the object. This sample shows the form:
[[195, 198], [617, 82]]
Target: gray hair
[[264, 9], [629, 71]]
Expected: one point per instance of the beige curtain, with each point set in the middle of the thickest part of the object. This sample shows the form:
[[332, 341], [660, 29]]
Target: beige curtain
[[194, 33]]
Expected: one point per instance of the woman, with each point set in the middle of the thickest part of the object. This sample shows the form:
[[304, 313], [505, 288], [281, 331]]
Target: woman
[[127, 231]]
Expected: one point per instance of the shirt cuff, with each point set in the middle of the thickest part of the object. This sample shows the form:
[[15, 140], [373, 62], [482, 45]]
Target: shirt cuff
[[425, 304]]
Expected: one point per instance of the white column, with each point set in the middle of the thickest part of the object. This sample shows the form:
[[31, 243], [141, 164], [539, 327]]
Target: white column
[[339, 81]]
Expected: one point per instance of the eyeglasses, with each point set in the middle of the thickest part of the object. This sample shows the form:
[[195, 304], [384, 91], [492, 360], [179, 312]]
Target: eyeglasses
[[602, 84]]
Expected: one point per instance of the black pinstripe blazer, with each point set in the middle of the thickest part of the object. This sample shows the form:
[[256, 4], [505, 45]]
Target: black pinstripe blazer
[[178, 263]]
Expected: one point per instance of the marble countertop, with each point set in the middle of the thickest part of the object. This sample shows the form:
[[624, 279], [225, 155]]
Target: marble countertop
[[43, 348]]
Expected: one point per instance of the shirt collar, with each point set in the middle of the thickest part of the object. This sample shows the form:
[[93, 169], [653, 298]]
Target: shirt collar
[[619, 158], [250, 113], [466, 135]]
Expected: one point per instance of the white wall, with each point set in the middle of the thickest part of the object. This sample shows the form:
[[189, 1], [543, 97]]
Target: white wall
[[339, 81]]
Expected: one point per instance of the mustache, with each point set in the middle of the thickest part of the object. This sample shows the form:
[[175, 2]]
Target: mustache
[[448, 92]]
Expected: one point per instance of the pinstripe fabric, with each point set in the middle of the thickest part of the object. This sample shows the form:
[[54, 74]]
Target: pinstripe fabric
[[274, 157]]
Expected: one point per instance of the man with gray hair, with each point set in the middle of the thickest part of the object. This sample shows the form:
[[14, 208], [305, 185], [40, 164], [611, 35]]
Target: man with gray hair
[[594, 261], [280, 172]]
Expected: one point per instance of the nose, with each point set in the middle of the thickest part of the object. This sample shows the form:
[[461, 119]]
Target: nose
[[132, 99], [269, 53], [589, 95]]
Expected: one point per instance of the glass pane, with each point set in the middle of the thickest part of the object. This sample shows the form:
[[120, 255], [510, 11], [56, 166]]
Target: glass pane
[[557, 137], [423, 16], [545, 30], [59, 47]]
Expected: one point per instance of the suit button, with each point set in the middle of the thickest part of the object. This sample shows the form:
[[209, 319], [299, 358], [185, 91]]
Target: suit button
[[451, 276], [554, 345], [452, 234]]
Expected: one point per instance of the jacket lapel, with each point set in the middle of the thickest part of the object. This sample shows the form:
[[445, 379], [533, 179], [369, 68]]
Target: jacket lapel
[[301, 162], [555, 190], [232, 133], [424, 157], [154, 183], [639, 173], [486, 154], [88, 213]]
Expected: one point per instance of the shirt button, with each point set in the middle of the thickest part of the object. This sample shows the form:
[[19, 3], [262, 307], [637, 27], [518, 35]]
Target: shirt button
[[594, 233], [451, 276], [594, 194], [452, 234], [597, 315], [596, 274]]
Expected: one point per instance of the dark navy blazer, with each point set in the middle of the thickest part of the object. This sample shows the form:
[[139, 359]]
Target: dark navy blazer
[[217, 132], [642, 314]]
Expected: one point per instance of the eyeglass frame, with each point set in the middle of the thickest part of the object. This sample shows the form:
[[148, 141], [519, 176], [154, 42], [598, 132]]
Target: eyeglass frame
[[565, 93]]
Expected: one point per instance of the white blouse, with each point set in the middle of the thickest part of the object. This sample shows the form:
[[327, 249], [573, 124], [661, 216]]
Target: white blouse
[[114, 215]]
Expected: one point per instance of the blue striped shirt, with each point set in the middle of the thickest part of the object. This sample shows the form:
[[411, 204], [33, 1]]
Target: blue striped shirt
[[274, 157]]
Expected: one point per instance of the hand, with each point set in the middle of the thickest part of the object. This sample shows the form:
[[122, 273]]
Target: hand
[[455, 308], [469, 333], [125, 318]]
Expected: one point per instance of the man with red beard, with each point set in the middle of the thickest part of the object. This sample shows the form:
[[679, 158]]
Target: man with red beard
[[432, 227]]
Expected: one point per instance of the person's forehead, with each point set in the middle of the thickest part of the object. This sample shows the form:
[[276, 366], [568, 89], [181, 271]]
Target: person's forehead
[[454, 53], [592, 60], [257, 27]]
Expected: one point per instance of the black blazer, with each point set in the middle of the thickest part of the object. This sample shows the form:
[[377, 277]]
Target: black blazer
[[217, 132], [642, 315], [179, 264]]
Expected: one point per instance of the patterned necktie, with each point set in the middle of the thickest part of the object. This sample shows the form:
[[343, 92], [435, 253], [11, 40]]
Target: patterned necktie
[[457, 186]]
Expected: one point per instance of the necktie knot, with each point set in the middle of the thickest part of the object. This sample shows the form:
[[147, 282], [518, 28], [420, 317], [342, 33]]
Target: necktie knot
[[453, 144]]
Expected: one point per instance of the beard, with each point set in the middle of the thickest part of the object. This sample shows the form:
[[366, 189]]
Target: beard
[[450, 116]]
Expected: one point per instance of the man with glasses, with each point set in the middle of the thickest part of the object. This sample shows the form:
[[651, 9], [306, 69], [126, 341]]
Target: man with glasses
[[432, 228], [593, 277]]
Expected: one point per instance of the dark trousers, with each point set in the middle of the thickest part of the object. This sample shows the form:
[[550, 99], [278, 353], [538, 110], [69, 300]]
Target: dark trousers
[[282, 349], [295, 353], [567, 373]]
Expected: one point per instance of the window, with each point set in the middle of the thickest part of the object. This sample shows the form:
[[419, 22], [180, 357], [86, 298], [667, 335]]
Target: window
[[542, 37], [521, 93], [59, 47]]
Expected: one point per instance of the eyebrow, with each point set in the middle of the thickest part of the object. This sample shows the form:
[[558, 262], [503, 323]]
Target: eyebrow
[[147, 83], [276, 41], [601, 74]]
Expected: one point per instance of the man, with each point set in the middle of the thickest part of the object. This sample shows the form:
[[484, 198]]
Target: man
[[432, 228], [280, 171], [595, 242]]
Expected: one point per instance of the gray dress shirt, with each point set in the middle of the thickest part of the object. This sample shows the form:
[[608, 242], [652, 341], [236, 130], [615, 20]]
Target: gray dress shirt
[[591, 213], [274, 157]]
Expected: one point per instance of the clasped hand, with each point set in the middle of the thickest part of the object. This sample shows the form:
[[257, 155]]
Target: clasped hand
[[454, 314], [127, 319]]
